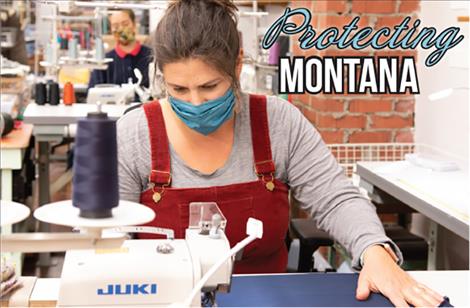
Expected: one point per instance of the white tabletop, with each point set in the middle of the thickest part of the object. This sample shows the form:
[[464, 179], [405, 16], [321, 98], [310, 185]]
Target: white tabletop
[[12, 212], [453, 284], [442, 196], [63, 114]]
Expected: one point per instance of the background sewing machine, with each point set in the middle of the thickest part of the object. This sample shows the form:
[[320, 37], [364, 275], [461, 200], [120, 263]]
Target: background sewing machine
[[115, 94], [111, 94]]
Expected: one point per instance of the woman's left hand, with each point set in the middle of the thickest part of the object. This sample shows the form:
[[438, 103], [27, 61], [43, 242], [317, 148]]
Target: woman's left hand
[[381, 273]]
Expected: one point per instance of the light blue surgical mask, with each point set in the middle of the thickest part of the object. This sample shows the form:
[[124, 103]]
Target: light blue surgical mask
[[207, 117]]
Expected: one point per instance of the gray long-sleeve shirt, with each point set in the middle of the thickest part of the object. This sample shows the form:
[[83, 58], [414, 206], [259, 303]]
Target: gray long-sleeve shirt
[[302, 161]]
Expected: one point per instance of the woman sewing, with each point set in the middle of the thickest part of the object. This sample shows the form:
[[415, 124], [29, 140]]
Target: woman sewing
[[208, 141]]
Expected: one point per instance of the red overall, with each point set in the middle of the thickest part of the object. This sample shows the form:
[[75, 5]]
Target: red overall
[[237, 202]]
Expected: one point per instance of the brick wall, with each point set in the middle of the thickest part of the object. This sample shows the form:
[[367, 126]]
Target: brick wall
[[343, 118]]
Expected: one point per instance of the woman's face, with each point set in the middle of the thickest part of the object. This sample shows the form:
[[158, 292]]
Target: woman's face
[[194, 81], [122, 27]]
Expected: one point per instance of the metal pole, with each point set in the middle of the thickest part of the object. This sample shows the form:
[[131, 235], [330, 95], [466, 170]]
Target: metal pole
[[44, 261]]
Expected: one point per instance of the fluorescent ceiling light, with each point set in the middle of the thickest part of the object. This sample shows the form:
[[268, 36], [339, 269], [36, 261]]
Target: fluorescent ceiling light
[[149, 5], [254, 14], [440, 94]]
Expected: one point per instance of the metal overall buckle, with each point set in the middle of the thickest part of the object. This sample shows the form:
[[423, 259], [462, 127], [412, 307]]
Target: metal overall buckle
[[158, 194], [268, 183]]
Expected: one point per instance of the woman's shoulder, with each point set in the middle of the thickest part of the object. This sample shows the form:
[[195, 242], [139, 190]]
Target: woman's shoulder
[[279, 109], [275, 104], [283, 117], [132, 121]]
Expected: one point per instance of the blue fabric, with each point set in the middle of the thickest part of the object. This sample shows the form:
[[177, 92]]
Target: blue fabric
[[295, 290], [121, 69], [207, 117]]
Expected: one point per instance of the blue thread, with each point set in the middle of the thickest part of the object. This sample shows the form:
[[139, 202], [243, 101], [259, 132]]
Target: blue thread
[[95, 167]]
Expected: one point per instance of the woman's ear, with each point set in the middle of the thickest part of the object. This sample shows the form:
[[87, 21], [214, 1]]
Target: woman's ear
[[239, 63]]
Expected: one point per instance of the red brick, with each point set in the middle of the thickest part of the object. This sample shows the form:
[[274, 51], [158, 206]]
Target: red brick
[[405, 106], [396, 53], [301, 3], [332, 136], [371, 7], [347, 93], [404, 136], [303, 99], [370, 105], [323, 121], [295, 98], [310, 115], [370, 137], [330, 52], [391, 121], [348, 121], [311, 52], [409, 6], [339, 21], [390, 21], [296, 50], [332, 105], [323, 6], [397, 96]]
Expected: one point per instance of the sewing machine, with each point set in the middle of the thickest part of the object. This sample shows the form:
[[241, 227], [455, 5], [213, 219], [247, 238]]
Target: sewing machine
[[115, 94], [111, 94], [103, 268], [138, 273]]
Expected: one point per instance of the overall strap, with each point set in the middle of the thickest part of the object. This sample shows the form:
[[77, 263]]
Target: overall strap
[[264, 164], [160, 174]]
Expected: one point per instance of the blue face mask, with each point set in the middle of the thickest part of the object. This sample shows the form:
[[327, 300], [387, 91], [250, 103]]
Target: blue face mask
[[207, 117]]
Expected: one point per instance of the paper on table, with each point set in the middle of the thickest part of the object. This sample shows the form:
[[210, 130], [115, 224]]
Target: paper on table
[[448, 190], [431, 163]]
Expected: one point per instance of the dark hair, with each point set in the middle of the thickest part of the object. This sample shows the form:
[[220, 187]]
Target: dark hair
[[129, 13], [202, 29]]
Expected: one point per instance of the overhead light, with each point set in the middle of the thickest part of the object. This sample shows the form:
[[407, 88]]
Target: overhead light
[[440, 94], [257, 14], [150, 5], [444, 93]]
